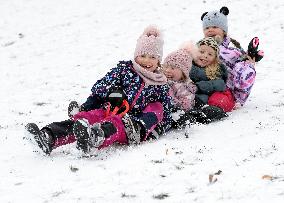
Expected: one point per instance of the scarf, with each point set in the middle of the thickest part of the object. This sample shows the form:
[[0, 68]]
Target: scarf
[[150, 78]]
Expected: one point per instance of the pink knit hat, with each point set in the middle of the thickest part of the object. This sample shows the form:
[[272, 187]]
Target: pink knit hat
[[182, 58], [150, 43]]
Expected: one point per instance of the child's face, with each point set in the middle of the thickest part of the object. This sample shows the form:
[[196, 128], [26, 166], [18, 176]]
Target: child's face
[[172, 73], [213, 31], [150, 63], [206, 56]]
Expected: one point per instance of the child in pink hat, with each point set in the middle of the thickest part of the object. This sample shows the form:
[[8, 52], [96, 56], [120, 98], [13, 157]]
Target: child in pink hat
[[193, 78], [176, 67], [125, 105]]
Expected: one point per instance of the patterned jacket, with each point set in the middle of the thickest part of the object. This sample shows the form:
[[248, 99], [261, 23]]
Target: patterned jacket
[[138, 94], [241, 74], [183, 94]]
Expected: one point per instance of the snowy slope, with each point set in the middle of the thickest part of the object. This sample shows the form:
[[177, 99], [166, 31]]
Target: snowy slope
[[52, 51]]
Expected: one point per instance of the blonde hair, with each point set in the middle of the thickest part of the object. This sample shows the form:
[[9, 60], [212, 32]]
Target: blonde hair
[[212, 71], [234, 42]]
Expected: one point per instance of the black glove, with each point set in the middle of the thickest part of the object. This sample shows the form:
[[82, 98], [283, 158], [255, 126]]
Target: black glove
[[253, 51], [116, 97]]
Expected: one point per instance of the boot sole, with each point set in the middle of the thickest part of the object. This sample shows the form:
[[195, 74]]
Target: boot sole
[[80, 130], [73, 108], [35, 131]]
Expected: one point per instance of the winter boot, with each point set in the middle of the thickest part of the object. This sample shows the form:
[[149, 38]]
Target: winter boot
[[42, 137], [213, 113], [73, 108], [184, 120], [253, 51], [155, 133], [134, 130], [196, 116], [89, 136]]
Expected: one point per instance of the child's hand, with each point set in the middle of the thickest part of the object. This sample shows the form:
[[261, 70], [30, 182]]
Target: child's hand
[[116, 96]]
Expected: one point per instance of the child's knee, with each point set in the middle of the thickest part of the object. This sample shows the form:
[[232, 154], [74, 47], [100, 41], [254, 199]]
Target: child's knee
[[223, 100], [156, 108]]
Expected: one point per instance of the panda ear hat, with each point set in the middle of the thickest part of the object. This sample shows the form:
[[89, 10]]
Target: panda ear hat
[[224, 10], [203, 15], [216, 18]]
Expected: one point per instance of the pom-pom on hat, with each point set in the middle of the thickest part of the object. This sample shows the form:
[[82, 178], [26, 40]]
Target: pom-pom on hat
[[150, 43], [216, 18], [181, 58]]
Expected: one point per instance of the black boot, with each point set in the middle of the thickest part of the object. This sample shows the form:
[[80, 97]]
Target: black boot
[[89, 136], [156, 132], [134, 130], [184, 120], [196, 116], [73, 108], [191, 117], [42, 137], [213, 113]]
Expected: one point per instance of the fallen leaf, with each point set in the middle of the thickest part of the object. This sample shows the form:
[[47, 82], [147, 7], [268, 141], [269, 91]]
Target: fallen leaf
[[213, 177], [74, 169], [267, 177]]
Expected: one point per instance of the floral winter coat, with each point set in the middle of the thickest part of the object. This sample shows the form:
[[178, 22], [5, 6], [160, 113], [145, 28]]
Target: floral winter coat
[[241, 74], [183, 93], [139, 95]]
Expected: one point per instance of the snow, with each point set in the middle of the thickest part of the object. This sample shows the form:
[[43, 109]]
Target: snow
[[53, 51]]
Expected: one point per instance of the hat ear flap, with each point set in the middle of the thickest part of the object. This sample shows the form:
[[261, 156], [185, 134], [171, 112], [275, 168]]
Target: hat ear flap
[[224, 10], [204, 14]]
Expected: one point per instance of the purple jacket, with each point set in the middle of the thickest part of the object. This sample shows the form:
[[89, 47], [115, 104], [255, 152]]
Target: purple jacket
[[241, 74]]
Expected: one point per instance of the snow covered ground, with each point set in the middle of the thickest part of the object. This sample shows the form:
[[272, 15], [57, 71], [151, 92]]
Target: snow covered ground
[[52, 51]]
